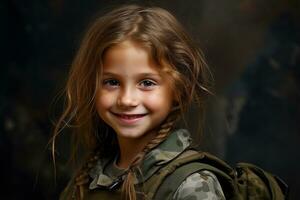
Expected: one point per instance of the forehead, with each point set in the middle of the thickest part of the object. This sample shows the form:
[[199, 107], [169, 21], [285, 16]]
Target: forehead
[[129, 56]]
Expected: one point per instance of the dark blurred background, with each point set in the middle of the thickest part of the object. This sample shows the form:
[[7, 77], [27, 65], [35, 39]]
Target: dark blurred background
[[252, 47]]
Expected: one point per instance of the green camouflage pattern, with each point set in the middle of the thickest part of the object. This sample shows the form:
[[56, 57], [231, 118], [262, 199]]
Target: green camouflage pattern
[[104, 178], [105, 172], [203, 185], [169, 149], [256, 183], [194, 176]]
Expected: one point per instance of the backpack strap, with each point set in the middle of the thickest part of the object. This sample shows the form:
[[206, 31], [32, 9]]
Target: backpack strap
[[246, 181], [177, 177], [189, 162]]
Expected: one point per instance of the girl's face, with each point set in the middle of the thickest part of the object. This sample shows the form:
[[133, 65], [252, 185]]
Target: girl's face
[[134, 96]]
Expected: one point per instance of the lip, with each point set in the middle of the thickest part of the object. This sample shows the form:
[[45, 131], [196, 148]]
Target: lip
[[128, 119]]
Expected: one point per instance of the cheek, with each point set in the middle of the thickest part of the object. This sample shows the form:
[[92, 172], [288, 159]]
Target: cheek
[[103, 101], [161, 101]]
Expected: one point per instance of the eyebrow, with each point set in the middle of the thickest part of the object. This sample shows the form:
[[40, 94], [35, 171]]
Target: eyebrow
[[139, 75]]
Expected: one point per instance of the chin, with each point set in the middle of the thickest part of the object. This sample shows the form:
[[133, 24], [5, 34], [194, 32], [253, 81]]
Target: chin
[[129, 134]]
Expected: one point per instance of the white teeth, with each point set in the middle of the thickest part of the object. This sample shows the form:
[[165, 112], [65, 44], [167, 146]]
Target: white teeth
[[130, 116]]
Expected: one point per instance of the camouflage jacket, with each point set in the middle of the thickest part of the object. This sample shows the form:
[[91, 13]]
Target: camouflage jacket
[[198, 186]]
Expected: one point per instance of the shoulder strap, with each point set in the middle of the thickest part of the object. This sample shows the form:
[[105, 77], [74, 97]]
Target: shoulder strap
[[243, 182], [177, 177], [189, 162]]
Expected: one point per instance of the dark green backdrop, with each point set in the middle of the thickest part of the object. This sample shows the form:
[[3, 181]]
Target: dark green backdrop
[[252, 46]]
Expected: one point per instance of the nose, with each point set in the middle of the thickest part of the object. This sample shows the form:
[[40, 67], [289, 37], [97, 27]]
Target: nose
[[128, 98]]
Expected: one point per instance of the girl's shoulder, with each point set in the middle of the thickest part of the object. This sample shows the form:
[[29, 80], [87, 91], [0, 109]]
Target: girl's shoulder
[[202, 185]]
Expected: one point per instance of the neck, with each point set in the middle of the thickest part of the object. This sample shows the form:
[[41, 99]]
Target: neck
[[131, 147]]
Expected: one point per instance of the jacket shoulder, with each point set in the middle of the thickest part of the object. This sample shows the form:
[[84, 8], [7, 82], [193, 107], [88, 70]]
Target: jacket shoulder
[[202, 185]]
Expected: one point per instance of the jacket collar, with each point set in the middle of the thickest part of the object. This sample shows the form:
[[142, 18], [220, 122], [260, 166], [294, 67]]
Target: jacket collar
[[106, 174]]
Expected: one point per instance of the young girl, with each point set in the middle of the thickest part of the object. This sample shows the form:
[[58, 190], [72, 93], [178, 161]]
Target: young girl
[[135, 74]]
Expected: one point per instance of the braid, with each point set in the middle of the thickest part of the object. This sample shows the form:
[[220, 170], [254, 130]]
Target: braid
[[128, 189], [162, 134], [82, 176]]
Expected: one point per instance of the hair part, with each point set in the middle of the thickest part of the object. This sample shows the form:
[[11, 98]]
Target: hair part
[[169, 46]]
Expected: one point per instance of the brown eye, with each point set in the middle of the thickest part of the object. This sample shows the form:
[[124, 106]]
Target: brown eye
[[147, 84], [111, 83]]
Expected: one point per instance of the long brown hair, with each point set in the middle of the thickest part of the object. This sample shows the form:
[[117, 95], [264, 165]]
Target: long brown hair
[[168, 45]]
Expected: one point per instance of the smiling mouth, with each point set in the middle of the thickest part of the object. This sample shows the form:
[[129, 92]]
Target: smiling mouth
[[129, 119], [132, 116]]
